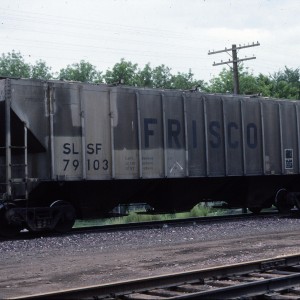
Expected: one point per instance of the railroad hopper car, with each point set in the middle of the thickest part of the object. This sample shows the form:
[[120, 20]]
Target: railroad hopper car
[[72, 150]]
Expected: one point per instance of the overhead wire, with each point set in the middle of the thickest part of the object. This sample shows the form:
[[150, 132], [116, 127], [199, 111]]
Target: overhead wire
[[74, 26], [179, 44]]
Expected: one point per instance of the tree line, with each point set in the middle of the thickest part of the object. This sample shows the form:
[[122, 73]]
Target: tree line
[[281, 84]]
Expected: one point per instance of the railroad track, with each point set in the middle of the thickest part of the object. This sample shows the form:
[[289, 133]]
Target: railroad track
[[277, 278], [151, 224]]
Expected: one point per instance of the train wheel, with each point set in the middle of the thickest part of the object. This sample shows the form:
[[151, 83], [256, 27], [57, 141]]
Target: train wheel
[[68, 216], [7, 229], [283, 201]]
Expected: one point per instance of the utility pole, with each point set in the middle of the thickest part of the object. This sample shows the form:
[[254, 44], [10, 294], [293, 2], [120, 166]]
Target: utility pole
[[235, 60]]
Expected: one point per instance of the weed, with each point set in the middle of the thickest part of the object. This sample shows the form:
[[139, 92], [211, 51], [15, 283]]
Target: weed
[[197, 211]]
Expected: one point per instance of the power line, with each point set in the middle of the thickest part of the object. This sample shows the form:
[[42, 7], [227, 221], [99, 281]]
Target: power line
[[234, 61]]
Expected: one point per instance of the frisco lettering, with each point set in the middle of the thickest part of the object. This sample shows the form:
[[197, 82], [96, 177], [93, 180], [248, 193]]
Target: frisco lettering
[[175, 130], [214, 131]]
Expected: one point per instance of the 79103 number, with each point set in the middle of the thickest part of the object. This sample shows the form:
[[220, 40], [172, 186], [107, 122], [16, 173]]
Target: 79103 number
[[92, 164]]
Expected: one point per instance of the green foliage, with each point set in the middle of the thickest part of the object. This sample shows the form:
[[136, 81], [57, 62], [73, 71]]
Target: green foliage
[[224, 82], [133, 217], [282, 84], [13, 65], [264, 84], [123, 72], [41, 71], [127, 73], [286, 84], [186, 81], [144, 77], [82, 71], [202, 210], [248, 84], [161, 77]]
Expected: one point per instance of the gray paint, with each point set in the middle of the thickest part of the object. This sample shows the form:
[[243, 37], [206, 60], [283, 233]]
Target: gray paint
[[102, 132]]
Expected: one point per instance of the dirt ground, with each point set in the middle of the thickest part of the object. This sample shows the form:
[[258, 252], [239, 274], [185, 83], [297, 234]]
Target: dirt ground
[[52, 264]]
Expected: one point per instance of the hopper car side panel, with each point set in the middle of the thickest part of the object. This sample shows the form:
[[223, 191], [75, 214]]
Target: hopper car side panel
[[289, 138], [129, 134], [98, 132], [152, 153], [271, 137]]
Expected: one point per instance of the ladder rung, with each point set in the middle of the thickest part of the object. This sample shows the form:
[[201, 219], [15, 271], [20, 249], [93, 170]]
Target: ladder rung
[[18, 147], [18, 180], [32, 179], [14, 147], [14, 165], [23, 180]]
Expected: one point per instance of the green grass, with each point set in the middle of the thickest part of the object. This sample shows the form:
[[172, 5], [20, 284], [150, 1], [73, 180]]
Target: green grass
[[133, 217]]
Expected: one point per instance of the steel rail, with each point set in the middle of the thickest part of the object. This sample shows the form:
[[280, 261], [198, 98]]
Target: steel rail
[[250, 289], [148, 224], [275, 274]]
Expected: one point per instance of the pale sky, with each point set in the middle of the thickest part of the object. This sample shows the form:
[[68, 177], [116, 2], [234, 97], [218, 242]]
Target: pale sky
[[176, 33]]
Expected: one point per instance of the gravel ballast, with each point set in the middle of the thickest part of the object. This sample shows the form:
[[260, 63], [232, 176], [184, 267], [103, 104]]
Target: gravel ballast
[[51, 263]]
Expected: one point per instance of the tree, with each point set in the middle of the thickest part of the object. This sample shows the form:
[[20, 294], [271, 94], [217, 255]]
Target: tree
[[82, 71], [124, 72], [161, 77], [186, 81], [224, 82], [248, 82], [282, 84], [12, 64], [264, 84], [144, 77], [286, 84], [41, 71]]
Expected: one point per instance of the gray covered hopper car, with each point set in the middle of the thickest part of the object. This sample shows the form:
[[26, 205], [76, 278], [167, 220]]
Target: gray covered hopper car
[[77, 150]]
